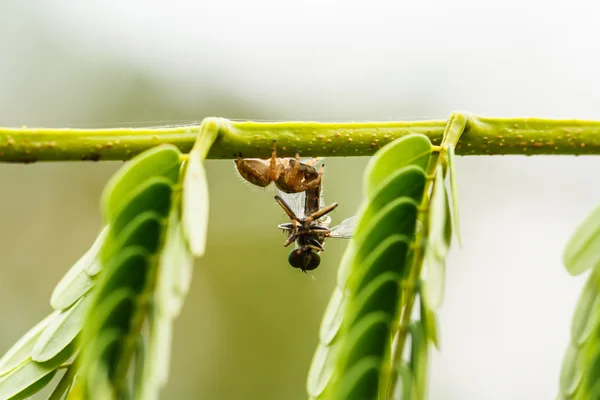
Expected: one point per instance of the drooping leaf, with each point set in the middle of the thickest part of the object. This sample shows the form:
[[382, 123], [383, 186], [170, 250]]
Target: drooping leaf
[[175, 269], [61, 331], [21, 350], [163, 160], [195, 204], [358, 320], [583, 249], [438, 244]]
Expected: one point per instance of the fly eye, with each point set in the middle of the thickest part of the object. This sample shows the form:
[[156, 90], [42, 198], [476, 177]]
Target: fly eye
[[315, 260], [306, 260]]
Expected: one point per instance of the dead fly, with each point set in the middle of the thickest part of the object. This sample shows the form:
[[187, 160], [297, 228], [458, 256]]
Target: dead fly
[[310, 226], [289, 174]]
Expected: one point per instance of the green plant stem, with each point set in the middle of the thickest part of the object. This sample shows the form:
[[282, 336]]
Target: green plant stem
[[482, 136]]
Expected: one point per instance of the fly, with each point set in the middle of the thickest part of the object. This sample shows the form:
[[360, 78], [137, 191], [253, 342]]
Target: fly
[[309, 226]]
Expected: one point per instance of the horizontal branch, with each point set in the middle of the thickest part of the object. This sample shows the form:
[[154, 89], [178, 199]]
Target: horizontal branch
[[482, 136]]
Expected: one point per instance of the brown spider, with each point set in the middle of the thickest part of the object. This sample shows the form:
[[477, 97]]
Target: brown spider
[[289, 174]]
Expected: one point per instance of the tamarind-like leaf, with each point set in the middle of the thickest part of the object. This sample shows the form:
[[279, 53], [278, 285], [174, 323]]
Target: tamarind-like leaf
[[22, 349], [583, 249], [358, 321], [163, 160]]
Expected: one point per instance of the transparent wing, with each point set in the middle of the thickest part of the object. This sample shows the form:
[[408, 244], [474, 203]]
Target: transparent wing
[[295, 201], [345, 230]]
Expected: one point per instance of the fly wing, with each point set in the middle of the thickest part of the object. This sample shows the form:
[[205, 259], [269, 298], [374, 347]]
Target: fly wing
[[295, 201], [345, 230]]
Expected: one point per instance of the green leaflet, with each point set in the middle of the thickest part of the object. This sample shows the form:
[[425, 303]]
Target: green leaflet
[[571, 373], [152, 194], [65, 385], [583, 249], [175, 269], [27, 380], [405, 389], [195, 204], [368, 337], [195, 188], [438, 244], [21, 350], [419, 358], [587, 313], [380, 294], [173, 279], [128, 269], [163, 160], [408, 150], [30, 377], [77, 280], [61, 331], [397, 217], [429, 321], [360, 382]]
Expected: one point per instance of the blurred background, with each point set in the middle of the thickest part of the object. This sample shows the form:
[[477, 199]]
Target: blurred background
[[249, 328]]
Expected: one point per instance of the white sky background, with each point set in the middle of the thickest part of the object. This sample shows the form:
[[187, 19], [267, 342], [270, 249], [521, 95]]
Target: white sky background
[[505, 323]]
